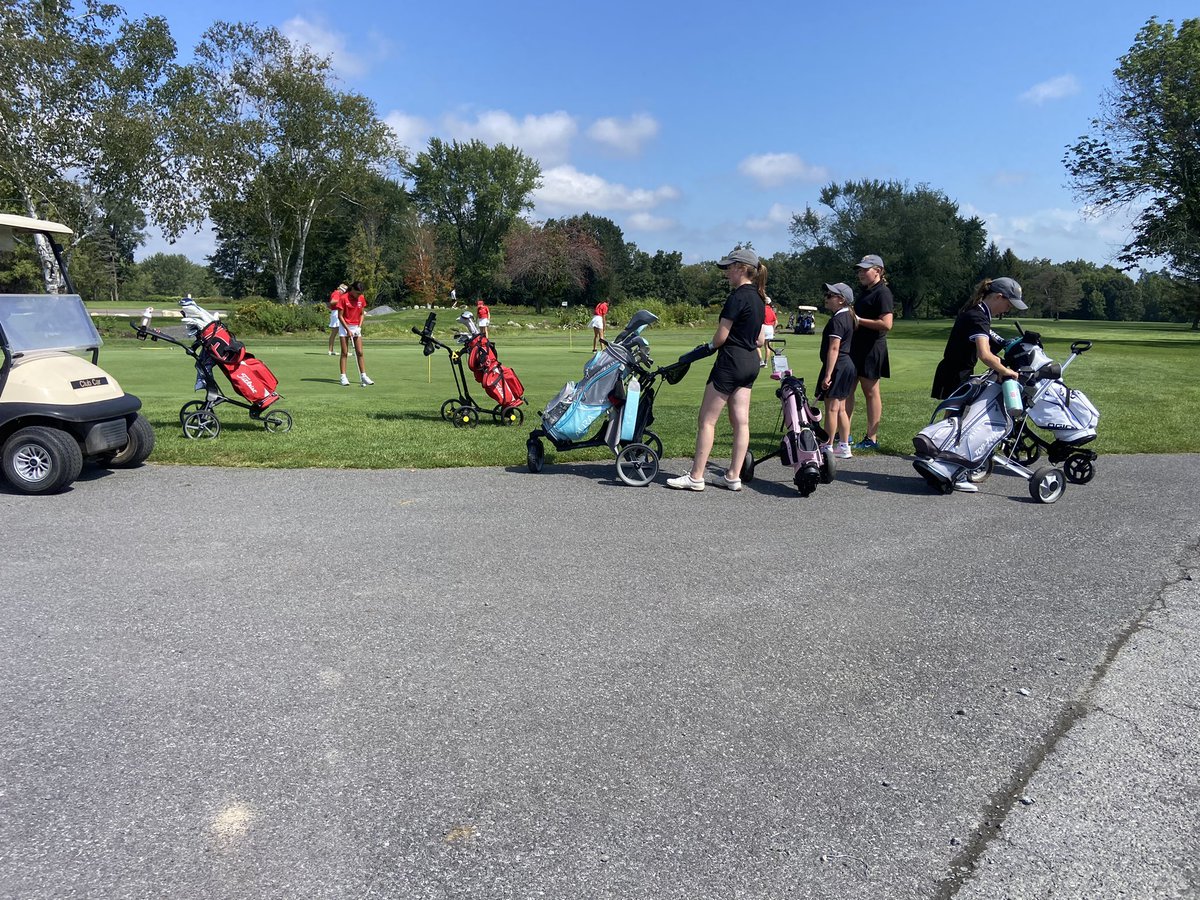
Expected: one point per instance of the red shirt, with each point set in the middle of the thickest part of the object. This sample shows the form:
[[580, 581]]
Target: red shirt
[[602, 308], [482, 312], [335, 298], [769, 317], [352, 308]]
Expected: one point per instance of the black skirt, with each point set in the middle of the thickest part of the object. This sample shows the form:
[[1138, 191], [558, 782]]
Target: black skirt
[[736, 367]]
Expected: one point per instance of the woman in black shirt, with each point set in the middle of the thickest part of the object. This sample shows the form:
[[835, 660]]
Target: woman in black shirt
[[737, 339], [838, 374], [971, 336], [874, 310]]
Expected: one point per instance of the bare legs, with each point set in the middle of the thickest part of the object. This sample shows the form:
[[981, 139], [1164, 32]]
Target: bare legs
[[837, 423], [597, 337], [358, 353], [738, 405], [870, 389]]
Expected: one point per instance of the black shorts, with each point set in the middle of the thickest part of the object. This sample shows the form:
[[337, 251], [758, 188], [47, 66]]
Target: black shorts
[[736, 367], [874, 363], [845, 378]]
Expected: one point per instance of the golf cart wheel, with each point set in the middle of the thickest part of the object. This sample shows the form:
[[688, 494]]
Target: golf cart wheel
[[202, 424], [1080, 469], [748, 467], [450, 410], [980, 475], [277, 421], [828, 466], [509, 415], [136, 449], [653, 441], [637, 465], [1047, 484], [41, 460], [535, 455], [465, 417], [1026, 451], [188, 408]]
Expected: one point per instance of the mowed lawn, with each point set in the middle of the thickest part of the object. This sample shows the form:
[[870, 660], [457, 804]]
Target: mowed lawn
[[1141, 377]]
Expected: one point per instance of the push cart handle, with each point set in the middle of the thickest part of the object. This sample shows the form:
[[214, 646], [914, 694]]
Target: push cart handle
[[1081, 346]]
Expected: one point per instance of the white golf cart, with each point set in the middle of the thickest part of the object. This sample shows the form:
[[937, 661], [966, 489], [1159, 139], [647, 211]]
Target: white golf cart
[[56, 407], [804, 320]]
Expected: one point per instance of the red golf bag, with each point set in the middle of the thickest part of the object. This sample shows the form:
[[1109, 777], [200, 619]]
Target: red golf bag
[[249, 375], [500, 382]]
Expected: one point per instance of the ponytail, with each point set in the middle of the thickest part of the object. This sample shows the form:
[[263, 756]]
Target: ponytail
[[760, 281], [981, 290]]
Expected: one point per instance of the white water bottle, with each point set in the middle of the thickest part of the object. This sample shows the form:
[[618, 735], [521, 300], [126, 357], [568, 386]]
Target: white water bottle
[[146, 314]]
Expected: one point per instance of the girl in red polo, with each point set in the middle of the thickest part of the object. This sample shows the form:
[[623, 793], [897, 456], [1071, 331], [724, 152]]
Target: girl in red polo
[[350, 309], [601, 311]]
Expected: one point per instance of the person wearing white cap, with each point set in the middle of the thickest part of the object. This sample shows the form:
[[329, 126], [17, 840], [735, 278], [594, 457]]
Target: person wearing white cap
[[335, 299], [737, 339], [971, 335], [874, 311]]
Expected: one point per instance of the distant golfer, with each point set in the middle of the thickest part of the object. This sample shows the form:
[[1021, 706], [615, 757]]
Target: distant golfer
[[601, 311]]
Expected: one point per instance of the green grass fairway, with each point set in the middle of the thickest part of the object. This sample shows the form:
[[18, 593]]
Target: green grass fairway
[[1140, 376]]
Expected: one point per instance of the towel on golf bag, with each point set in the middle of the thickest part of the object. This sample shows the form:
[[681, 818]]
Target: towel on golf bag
[[500, 382], [968, 438]]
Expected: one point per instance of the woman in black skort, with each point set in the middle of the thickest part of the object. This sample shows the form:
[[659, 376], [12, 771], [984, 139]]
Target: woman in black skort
[[737, 339], [874, 310]]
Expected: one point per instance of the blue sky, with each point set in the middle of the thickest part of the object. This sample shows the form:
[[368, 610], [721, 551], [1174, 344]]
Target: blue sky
[[698, 125]]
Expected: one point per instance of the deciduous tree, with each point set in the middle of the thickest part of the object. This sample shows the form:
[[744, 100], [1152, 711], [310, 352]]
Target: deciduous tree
[[1143, 151]]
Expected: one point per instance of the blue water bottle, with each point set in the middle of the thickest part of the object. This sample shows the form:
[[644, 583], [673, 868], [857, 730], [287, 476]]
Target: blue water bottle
[[1012, 398]]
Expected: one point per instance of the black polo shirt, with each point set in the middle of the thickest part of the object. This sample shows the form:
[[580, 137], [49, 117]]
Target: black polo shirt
[[961, 353], [874, 304], [745, 309], [840, 325]]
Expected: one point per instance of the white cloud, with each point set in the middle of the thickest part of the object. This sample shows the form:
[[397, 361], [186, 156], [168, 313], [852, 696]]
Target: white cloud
[[778, 215], [1055, 233], [774, 169], [643, 221], [324, 41], [546, 138], [1052, 89], [566, 188], [412, 131], [624, 136]]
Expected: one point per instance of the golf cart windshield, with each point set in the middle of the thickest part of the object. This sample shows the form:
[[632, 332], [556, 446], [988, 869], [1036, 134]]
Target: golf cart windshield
[[46, 322]]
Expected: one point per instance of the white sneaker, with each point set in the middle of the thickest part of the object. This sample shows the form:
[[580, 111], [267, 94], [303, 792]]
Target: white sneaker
[[685, 482], [364, 379], [331, 353], [966, 487], [730, 484], [345, 380], [842, 451]]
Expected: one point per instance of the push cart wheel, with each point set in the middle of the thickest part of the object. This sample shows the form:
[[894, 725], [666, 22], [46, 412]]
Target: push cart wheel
[[1026, 451], [277, 421], [450, 410], [535, 455], [980, 475], [202, 424], [828, 466], [41, 460], [188, 408], [1047, 484], [806, 480], [653, 441], [137, 448], [637, 465], [1079, 469], [509, 415], [469, 416], [748, 467]]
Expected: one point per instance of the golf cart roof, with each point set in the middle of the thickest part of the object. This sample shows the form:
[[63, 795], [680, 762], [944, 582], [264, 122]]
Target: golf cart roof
[[806, 309], [24, 223]]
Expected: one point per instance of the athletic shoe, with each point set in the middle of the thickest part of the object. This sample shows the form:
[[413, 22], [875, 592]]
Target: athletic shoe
[[842, 451], [365, 380], [966, 487], [730, 484], [345, 381], [331, 353], [685, 482], [762, 364], [867, 444]]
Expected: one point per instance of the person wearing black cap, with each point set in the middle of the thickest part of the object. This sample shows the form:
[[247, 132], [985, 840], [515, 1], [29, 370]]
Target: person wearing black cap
[[737, 339], [837, 369], [971, 336], [869, 351]]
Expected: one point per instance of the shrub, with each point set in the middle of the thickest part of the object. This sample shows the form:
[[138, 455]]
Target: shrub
[[668, 313], [266, 317]]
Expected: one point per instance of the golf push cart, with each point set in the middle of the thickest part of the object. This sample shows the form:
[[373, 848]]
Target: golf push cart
[[56, 407]]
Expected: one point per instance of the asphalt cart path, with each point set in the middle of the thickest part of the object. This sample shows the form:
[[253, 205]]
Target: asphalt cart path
[[489, 684]]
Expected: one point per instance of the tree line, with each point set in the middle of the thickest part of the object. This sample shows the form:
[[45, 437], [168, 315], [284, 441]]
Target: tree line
[[106, 130]]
